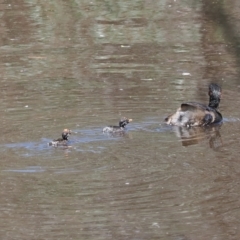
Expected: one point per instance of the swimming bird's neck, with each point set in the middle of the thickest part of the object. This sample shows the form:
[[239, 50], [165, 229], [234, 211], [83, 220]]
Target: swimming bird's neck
[[213, 102]]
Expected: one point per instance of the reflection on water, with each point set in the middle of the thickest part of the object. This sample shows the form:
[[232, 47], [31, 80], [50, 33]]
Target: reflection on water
[[83, 64], [194, 135]]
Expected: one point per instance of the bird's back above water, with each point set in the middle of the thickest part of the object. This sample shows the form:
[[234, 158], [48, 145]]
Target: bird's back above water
[[117, 129], [63, 141], [197, 114]]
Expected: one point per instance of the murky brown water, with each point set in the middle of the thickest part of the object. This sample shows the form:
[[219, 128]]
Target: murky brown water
[[84, 64]]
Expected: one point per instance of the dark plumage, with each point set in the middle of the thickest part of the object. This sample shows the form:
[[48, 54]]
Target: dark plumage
[[197, 114], [117, 129], [63, 141]]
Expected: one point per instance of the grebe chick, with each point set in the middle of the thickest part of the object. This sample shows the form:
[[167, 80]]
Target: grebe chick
[[117, 129], [63, 141]]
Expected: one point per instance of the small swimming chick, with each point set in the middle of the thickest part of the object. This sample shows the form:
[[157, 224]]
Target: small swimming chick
[[63, 141], [117, 129], [197, 114]]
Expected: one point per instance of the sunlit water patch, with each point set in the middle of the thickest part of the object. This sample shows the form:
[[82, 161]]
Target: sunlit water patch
[[78, 139], [30, 169]]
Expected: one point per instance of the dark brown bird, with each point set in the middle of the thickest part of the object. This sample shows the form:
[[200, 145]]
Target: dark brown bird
[[197, 114]]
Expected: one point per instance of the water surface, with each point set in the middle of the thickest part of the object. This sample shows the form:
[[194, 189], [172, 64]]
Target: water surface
[[83, 65]]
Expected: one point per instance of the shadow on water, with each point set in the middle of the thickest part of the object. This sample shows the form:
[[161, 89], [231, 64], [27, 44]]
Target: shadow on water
[[217, 16]]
